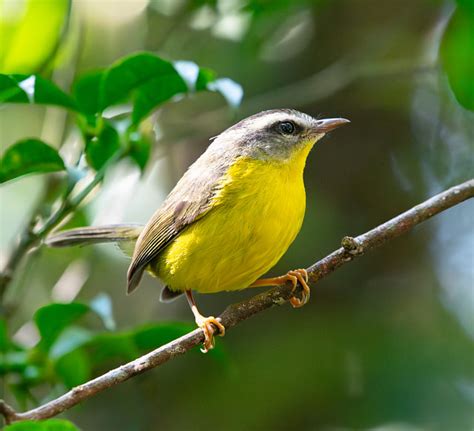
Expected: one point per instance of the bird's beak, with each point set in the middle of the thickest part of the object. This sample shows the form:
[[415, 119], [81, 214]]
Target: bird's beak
[[324, 126]]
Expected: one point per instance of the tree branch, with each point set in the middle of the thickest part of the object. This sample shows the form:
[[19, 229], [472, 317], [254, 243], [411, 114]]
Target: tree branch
[[236, 313]]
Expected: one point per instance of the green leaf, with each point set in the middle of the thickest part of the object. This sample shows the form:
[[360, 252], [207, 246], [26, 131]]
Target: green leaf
[[109, 346], [47, 425], [4, 341], [155, 92], [10, 91], [29, 156], [467, 5], [54, 322], [204, 78], [140, 149], [74, 368], [52, 319], [129, 76], [31, 34], [99, 149], [457, 54], [136, 71], [149, 81], [87, 92], [33, 89]]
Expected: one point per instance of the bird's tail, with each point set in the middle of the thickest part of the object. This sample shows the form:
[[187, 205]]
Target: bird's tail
[[124, 235]]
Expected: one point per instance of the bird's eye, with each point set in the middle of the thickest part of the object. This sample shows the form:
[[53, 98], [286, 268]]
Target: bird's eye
[[286, 127]]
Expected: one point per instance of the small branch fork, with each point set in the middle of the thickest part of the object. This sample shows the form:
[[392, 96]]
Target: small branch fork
[[236, 313]]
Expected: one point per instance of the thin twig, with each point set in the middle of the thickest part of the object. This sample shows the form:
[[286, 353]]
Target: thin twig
[[236, 313]]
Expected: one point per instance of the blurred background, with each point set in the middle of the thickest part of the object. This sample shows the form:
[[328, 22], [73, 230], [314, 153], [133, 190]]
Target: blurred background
[[387, 342]]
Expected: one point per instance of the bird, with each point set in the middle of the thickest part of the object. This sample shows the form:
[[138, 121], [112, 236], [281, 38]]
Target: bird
[[229, 219]]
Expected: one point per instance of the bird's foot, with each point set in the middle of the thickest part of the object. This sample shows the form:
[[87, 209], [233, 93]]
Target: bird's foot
[[301, 276], [209, 325], [294, 276]]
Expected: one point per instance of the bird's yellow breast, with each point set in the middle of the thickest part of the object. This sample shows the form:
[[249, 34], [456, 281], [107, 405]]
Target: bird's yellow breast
[[252, 221]]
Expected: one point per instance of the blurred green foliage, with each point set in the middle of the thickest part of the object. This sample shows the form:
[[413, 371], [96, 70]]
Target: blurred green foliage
[[145, 78], [29, 156], [88, 87], [23, 30], [21, 88], [457, 50], [47, 425], [67, 354]]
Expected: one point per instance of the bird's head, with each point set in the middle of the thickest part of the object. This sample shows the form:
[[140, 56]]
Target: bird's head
[[277, 133]]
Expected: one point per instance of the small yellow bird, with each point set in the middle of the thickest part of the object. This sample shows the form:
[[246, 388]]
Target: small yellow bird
[[230, 218]]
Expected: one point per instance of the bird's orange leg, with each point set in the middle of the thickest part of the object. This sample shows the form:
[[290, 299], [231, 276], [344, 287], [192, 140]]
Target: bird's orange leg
[[207, 324], [295, 276]]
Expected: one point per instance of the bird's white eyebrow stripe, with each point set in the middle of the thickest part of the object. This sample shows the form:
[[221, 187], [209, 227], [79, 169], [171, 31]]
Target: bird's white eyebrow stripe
[[266, 120], [262, 121]]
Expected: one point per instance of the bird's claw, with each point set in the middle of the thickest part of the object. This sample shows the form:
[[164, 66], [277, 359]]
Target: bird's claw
[[209, 325], [301, 276]]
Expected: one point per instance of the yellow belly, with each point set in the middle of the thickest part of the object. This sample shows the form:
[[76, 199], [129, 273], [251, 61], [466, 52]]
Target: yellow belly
[[252, 222]]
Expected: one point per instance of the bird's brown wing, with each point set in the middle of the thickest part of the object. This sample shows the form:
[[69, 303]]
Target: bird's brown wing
[[190, 200], [164, 226]]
